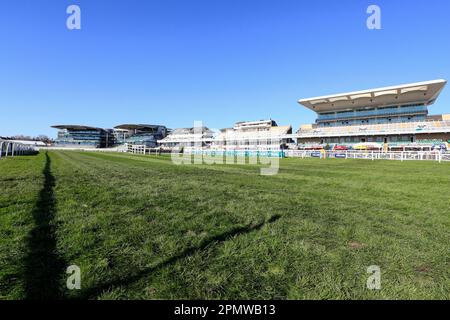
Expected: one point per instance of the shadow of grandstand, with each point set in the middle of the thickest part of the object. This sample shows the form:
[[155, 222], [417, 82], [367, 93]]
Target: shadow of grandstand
[[43, 267], [94, 292]]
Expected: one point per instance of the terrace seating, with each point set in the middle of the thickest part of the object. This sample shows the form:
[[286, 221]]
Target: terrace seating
[[393, 128], [430, 141]]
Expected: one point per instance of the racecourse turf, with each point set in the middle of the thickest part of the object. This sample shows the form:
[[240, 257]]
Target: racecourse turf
[[141, 227]]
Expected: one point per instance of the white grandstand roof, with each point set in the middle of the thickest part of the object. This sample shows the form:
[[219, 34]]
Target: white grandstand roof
[[420, 93]]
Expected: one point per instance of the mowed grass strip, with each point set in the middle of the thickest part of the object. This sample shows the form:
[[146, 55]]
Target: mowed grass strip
[[141, 227]]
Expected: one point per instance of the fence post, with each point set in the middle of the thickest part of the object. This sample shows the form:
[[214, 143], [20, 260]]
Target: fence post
[[7, 149]]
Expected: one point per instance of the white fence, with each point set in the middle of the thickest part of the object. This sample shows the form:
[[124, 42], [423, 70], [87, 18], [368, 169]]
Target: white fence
[[370, 155], [10, 148], [367, 155], [115, 149]]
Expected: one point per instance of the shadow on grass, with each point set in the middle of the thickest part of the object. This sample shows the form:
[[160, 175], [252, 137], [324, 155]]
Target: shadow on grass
[[94, 292], [43, 266]]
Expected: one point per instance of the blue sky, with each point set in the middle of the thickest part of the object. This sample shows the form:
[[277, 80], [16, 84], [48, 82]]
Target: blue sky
[[220, 61]]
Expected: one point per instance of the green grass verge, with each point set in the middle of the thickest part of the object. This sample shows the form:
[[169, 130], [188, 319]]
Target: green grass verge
[[140, 227]]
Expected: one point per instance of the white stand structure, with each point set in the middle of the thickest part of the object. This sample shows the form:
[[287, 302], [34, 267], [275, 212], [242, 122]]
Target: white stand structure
[[10, 148]]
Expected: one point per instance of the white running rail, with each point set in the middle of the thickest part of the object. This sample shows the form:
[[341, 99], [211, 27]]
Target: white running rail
[[11, 148], [371, 155]]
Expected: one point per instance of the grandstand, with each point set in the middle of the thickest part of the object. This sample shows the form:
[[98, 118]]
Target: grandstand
[[79, 136], [139, 134], [385, 119], [394, 117], [253, 135], [188, 138]]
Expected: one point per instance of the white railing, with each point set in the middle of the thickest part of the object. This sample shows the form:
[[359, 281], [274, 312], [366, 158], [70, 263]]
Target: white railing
[[10, 148], [137, 149], [269, 153], [121, 148], [344, 154], [370, 155]]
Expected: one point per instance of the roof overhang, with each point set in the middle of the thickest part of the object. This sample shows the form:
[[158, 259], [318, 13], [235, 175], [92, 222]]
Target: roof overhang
[[420, 92], [136, 126], [75, 127]]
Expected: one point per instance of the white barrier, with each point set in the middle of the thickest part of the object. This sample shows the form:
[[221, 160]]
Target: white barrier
[[10, 148], [344, 154], [115, 149], [371, 155]]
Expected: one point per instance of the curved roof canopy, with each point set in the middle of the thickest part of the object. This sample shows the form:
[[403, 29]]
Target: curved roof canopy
[[136, 126], [420, 93], [75, 127]]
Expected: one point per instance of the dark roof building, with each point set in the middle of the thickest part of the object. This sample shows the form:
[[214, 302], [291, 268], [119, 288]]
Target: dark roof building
[[83, 136]]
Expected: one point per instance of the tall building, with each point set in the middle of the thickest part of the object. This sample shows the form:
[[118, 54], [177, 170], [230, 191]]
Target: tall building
[[395, 116], [79, 136]]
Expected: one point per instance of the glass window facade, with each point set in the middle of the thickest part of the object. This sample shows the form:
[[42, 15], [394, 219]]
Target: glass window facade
[[145, 135], [374, 115], [93, 138]]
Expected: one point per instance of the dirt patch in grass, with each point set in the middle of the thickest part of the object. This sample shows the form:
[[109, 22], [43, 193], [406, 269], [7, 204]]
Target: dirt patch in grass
[[355, 245], [423, 269]]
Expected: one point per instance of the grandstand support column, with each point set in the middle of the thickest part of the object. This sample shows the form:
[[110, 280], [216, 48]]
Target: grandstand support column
[[12, 149], [1, 149]]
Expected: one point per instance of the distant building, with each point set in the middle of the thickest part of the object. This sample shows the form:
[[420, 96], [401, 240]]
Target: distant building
[[139, 134], [189, 138], [254, 135], [79, 136], [394, 117]]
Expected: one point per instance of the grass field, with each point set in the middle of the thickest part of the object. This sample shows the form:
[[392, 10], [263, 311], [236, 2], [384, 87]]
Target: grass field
[[140, 227]]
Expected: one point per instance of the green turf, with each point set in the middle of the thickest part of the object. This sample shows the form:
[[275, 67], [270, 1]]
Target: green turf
[[140, 227]]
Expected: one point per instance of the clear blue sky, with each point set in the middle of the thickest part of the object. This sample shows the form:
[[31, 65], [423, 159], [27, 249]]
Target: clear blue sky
[[220, 61]]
